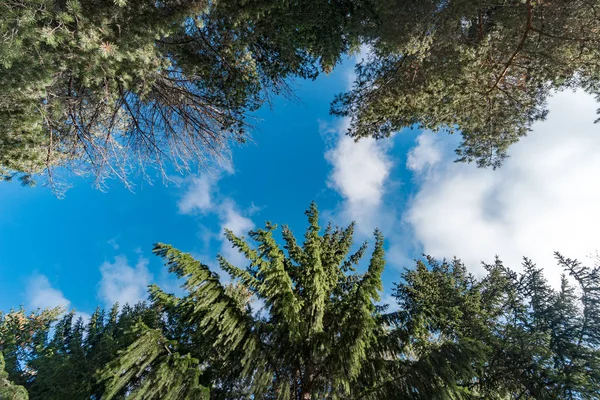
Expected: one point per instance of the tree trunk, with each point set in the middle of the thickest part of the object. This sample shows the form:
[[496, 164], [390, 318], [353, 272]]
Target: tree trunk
[[306, 391]]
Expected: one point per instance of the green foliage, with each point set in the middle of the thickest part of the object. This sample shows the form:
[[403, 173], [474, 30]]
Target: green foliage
[[525, 339], [318, 325], [299, 322], [319, 333], [8, 390], [102, 86], [478, 67], [174, 377], [63, 363], [430, 350], [21, 335], [112, 87]]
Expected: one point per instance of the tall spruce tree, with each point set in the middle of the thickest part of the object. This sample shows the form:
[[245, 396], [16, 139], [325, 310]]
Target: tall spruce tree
[[318, 326], [299, 322], [481, 68], [21, 335], [66, 366], [434, 346]]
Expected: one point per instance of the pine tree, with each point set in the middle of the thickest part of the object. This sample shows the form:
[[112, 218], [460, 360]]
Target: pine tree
[[575, 330], [444, 318], [102, 86], [299, 321], [66, 365], [62, 362], [21, 335], [484, 69]]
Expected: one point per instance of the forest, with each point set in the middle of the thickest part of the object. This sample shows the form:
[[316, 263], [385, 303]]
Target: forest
[[121, 90], [320, 332]]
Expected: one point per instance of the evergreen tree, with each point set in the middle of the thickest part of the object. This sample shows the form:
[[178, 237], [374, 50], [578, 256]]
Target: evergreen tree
[[437, 335], [103, 85], [482, 68], [66, 366], [8, 390], [524, 339], [62, 362], [21, 335], [319, 325], [300, 322]]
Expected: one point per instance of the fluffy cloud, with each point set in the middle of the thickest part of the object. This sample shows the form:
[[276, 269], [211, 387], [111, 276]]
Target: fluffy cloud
[[41, 294], [202, 197], [545, 198], [123, 283], [361, 175], [198, 196], [426, 154], [231, 218], [360, 171]]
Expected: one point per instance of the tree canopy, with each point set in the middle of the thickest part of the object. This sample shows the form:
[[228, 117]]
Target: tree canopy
[[57, 356], [9, 390], [320, 322], [484, 69], [106, 87], [529, 340], [304, 321], [114, 87], [320, 332]]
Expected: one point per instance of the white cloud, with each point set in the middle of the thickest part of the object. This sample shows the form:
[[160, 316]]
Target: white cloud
[[41, 294], [360, 169], [544, 198], [231, 218], [123, 283], [202, 196], [360, 174], [426, 154], [198, 197]]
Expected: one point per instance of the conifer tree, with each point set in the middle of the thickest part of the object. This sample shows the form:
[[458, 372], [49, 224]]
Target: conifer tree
[[319, 325], [62, 362], [435, 353], [66, 365], [523, 339], [104, 86], [8, 390], [481, 68], [300, 321], [21, 335]]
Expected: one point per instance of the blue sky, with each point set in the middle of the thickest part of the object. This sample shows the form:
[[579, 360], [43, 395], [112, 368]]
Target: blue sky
[[93, 248]]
